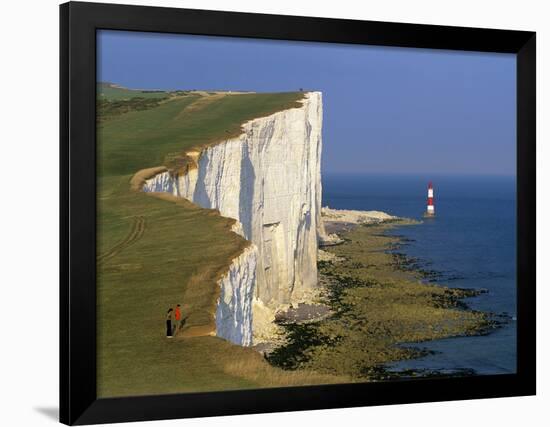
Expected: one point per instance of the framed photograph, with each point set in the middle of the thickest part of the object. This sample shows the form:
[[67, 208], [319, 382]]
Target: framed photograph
[[267, 213]]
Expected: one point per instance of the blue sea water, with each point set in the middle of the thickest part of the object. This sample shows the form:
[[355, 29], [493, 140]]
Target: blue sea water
[[471, 243]]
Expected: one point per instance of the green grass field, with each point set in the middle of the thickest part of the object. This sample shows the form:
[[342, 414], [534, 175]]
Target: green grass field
[[111, 92], [156, 252]]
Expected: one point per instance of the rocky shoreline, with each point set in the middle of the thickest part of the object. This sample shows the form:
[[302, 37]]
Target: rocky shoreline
[[372, 300]]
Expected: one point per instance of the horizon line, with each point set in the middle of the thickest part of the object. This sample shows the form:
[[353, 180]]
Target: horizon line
[[422, 173]]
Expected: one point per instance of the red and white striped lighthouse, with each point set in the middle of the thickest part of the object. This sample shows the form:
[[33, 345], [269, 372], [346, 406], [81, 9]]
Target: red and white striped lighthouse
[[430, 209]]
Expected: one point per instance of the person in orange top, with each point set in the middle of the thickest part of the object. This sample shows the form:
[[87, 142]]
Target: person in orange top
[[177, 316]]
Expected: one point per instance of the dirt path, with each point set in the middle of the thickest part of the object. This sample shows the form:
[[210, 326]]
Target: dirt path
[[138, 228]]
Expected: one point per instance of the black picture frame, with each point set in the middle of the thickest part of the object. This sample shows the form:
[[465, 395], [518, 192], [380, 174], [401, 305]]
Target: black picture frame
[[78, 25]]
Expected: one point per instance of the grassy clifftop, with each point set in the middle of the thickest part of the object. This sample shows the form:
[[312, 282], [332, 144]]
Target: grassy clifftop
[[156, 252], [156, 136], [113, 92]]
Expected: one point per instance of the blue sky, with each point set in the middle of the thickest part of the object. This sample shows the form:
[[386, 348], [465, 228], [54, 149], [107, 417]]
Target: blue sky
[[386, 110]]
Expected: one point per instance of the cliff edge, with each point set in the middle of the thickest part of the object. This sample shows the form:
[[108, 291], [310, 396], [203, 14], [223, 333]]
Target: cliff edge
[[268, 179]]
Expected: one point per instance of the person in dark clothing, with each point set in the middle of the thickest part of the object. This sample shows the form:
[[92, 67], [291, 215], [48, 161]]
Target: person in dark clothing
[[169, 316]]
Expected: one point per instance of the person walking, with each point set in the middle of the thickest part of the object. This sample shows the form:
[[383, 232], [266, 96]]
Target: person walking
[[177, 316], [169, 316]]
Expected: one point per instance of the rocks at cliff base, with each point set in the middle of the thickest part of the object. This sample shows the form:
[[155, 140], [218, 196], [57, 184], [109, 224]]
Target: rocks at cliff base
[[354, 216]]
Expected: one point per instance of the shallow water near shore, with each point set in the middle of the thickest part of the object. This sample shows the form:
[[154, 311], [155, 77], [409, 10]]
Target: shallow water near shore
[[471, 243]]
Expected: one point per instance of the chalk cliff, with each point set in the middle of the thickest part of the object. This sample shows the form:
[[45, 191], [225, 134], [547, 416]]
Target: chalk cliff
[[268, 179], [234, 310]]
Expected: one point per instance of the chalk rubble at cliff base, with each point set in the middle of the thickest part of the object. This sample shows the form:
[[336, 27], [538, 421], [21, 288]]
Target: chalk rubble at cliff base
[[354, 216]]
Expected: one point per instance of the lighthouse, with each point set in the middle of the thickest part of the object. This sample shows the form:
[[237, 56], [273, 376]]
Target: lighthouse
[[430, 209]]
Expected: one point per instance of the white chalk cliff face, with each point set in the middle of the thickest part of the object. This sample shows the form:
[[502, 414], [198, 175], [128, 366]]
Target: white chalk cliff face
[[234, 310], [269, 180]]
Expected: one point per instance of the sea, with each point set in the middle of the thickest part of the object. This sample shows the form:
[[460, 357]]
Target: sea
[[470, 243]]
